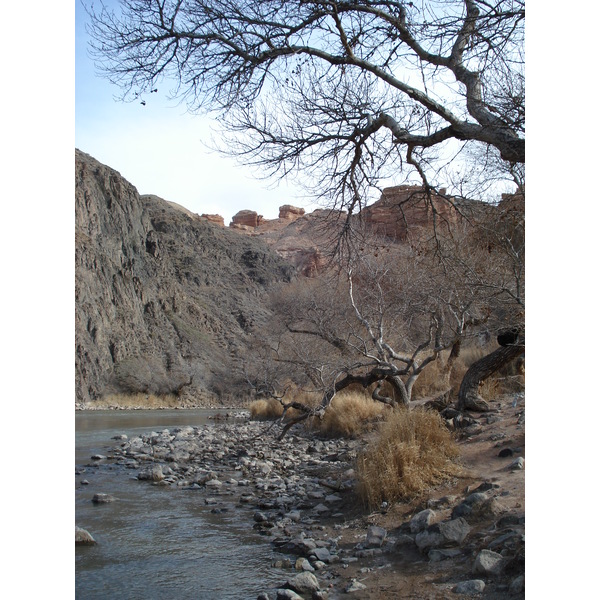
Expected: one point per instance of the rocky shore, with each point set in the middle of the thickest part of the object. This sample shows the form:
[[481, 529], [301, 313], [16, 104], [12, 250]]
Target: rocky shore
[[465, 539]]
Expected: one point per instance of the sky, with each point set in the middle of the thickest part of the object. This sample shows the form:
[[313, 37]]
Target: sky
[[160, 148]]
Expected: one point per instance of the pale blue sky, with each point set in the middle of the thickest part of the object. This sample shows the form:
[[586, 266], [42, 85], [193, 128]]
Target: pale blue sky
[[159, 147]]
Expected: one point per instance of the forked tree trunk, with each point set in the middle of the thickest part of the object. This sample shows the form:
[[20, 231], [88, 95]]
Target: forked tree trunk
[[479, 371]]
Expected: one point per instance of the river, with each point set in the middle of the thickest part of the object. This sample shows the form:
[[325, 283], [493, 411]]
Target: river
[[158, 542]]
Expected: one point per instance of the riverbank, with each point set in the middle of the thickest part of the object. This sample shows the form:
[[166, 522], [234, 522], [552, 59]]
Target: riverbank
[[464, 538]]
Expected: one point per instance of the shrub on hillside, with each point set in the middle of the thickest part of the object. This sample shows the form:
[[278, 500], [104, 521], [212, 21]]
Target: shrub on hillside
[[413, 452]]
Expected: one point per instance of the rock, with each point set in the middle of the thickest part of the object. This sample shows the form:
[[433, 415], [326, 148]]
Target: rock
[[103, 498], [505, 452], [404, 208], [421, 520], [355, 586], [285, 594], [98, 457], [303, 565], [517, 585], [246, 218], [469, 588], [320, 595], [438, 554], [517, 464], [375, 537], [303, 583], [216, 219], [289, 212], [83, 537], [299, 546], [154, 473], [430, 538], [263, 596], [488, 563], [213, 483], [322, 554], [454, 531]]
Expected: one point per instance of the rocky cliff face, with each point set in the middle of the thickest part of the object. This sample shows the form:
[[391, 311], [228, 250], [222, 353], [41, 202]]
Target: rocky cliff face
[[164, 301]]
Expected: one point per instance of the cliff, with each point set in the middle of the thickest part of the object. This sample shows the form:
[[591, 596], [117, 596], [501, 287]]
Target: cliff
[[165, 301]]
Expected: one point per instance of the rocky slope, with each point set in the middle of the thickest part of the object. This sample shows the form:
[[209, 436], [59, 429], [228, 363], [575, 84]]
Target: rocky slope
[[165, 302]]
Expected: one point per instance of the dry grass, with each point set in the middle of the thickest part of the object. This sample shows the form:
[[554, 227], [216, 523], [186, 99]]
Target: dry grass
[[348, 415], [413, 452], [138, 401], [431, 381], [265, 410]]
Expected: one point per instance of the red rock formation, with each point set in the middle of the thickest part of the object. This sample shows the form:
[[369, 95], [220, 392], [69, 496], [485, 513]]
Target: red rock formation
[[216, 219], [246, 218], [404, 208], [289, 212]]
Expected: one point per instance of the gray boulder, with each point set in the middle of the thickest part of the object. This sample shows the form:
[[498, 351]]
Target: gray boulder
[[488, 562], [421, 520], [303, 583], [375, 537], [83, 537]]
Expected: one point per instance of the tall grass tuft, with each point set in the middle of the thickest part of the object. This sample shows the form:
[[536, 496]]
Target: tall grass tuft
[[413, 452], [265, 410], [348, 415]]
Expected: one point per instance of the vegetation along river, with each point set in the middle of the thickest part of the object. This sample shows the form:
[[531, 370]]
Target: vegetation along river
[[157, 542]]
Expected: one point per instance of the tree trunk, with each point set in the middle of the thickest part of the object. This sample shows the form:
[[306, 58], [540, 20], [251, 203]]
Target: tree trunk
[[468, 394], [400, 389], [447, 368]]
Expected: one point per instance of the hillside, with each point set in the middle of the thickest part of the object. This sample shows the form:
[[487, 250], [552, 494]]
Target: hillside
[[164, 301]]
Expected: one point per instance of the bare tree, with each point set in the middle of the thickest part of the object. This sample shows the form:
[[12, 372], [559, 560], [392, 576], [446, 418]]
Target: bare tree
[[345, 93], [380, 322]]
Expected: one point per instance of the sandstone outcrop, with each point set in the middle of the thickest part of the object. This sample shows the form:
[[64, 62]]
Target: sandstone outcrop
[[246, 219], [406, 209], [289, 212], [164, 300], [215, 219]]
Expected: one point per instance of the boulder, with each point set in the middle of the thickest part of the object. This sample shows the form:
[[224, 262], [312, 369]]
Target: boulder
[[421, 520], [83, 537], [375, 537], [488, 563], [303, 583]]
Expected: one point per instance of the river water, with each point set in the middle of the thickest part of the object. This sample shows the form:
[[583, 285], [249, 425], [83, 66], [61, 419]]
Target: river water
[[158, 542]]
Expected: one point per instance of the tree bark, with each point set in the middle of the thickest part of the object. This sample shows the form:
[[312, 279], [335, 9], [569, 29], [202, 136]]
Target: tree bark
[[479, 371]]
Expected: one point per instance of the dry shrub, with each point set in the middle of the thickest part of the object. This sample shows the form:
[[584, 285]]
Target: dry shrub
[[265, 410], [413, 452], [348, 415], [431, 381]]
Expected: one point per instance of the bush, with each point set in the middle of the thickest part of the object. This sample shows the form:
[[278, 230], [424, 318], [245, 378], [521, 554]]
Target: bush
[[265, 410], [413, 452], [348, 415]]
